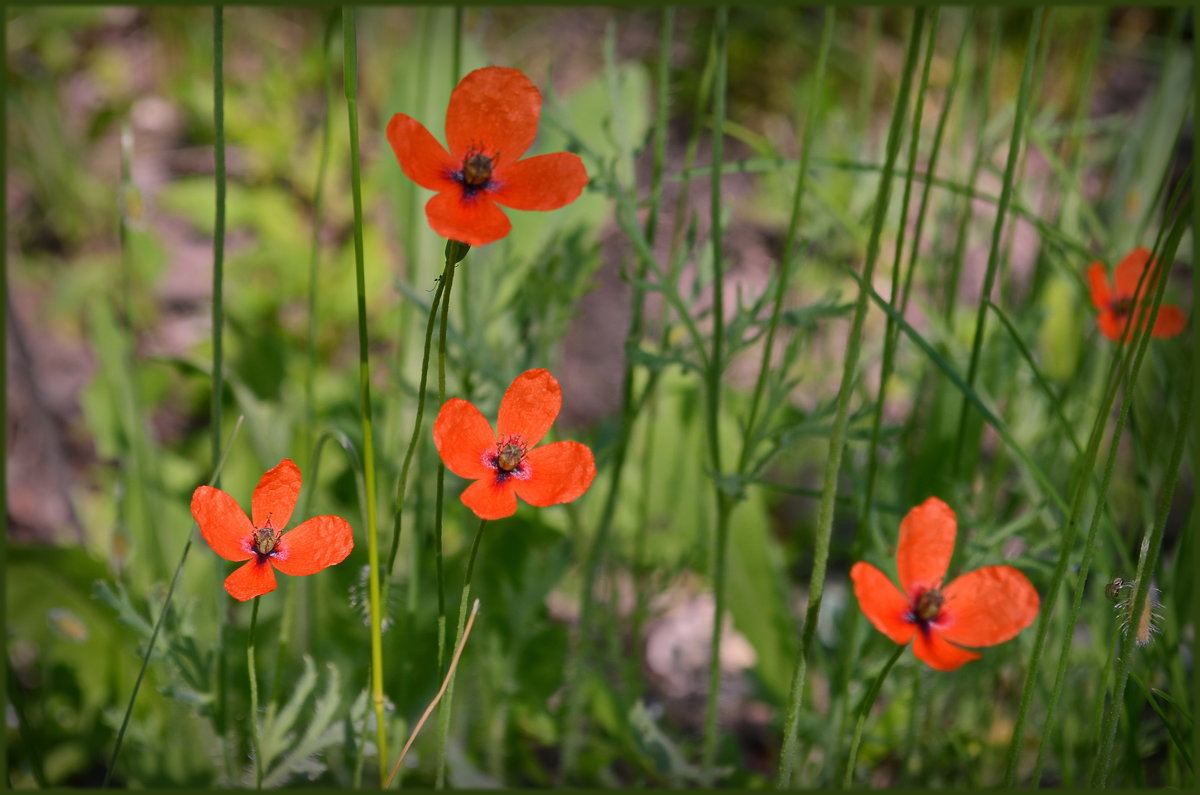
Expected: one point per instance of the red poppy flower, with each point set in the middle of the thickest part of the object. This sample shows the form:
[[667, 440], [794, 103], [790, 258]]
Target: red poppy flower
[[981, 608], [1118, 303], [505, 465], [491, 121], [311, 546]]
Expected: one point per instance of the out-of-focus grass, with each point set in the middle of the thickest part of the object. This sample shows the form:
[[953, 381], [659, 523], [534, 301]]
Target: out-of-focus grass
[[1099, 139]]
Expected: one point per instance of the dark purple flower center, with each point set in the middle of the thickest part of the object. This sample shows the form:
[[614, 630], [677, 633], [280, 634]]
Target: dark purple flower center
[[1121, 307], [926, 607]]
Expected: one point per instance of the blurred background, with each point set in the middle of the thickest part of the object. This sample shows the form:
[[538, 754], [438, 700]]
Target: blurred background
[[110, 213]]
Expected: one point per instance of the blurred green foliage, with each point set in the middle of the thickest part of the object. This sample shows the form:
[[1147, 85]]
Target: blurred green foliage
[[79, 617]]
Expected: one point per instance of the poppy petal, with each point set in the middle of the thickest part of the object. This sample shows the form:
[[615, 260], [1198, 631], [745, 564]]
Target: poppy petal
[[545, 182], [253, 579], [1170, 321], [275, 495], [987, 606], [938, 654], [223, 523], [463, 437], [491, 500], [926, 544], [475, 221], [1098, 279], [495, 109], [529, 406], [1129, 271], [882, 603], [313, 545], [424, 160], [558, 472]]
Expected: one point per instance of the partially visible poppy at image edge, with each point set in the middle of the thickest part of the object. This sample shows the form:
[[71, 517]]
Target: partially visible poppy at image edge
[[507, 464], [983, 607], [491, 122], [313, 545], [1115, 305]]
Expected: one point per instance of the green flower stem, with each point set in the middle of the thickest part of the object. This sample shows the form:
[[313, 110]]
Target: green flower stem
[[786, 258], [1122, 360], [724, 500], [1147, 561], [455, 251], [458, 649], [837, 438], [402, 481], [983, 93], [221, 711], [350, 70], [993, 266], [254, 736], [935, 150], [892, 333], [218, 290], [572, 718], [847, 650], [864, 710], [137, 684], [448, 699]]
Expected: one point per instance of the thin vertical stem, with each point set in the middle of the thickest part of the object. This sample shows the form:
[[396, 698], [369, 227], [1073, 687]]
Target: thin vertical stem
[[964, 222], [448, 700], [221, 712], [837, 438], [455, 251], [402, 481], [868, 702], [788, 255], [572, 718], [350, 70], [892, 331], [1147, 560], [137, 683], [254, 736], [724, 500], [1006, 191], [218, 290], [1126, 360]]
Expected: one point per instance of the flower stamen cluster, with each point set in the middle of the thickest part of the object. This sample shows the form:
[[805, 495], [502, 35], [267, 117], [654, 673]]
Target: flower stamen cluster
[[476, 172], [510, 453]]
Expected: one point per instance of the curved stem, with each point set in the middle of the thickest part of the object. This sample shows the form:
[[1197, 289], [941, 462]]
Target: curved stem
[[137, 683], [444, 712], [867, 702], [455, 251], [254, 738], [402, 481], [837, 437]]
